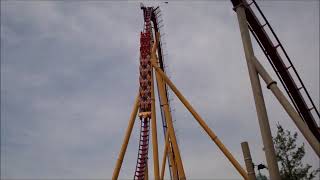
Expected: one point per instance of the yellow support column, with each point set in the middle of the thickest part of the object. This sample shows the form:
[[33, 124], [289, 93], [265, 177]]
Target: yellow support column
[[175, 161], [126, 140], [172, 160], [170, 128], [212, 135], [163, 167], [154, 132]]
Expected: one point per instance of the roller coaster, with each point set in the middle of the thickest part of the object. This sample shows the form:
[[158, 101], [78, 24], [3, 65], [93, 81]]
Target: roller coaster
[[152, 70]]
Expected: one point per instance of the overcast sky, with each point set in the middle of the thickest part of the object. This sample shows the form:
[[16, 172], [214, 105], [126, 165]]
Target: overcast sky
[[69, 77]]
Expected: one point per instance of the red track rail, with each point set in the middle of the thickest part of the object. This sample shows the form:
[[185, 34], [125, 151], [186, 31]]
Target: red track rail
[[143, 150], [145, 95], [146, 39]]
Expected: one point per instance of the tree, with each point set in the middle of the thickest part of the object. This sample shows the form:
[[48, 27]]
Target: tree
[[290, 156], [261, 177]]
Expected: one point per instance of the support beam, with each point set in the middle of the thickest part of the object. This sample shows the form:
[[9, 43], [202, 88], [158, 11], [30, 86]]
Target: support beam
[[258, 97], [248, 161], [146, 173], [154, 131], [172, 166], [170, 129], [212, 135], [175, 166], [302, 126], [166, 146], [126, 139]]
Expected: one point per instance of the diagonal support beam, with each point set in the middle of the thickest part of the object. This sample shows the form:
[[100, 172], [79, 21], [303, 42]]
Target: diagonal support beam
[[177, 161], [202, 123], [302, 126], [174, 157], [166, 146], [126, 139]]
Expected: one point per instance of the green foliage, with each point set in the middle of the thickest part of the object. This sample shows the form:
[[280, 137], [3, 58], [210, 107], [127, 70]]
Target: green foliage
[[261, 177], [290, 155]]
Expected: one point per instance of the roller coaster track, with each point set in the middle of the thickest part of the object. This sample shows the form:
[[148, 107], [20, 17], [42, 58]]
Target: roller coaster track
[[151, 15], [282, 66], [144, 95], [152, 27]]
